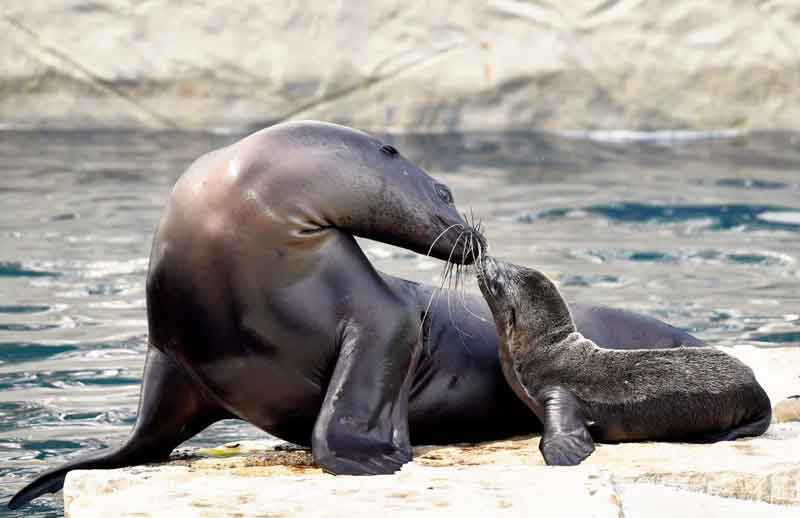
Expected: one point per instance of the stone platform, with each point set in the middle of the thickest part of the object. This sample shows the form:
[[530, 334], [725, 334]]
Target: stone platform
[[748, 477]]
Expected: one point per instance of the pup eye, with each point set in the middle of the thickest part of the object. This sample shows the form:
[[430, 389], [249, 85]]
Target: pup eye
[[444, 193], [389, 150]]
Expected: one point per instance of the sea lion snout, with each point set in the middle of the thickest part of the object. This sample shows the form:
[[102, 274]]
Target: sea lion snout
[[457, 243]]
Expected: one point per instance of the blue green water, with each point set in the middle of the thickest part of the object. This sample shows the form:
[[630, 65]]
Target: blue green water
[[702, 233]]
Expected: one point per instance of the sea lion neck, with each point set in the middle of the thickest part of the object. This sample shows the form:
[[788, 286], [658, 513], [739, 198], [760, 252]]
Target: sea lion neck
[[526, 305], [544, 317], [316, 176]]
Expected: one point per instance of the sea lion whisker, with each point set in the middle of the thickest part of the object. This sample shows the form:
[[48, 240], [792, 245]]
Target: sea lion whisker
[[460, 290], [435, 294], [472, 245], [437, 291], [471, 219], [463, 293], [448, 273], [448, 280], [479, 227], [481, 274], [440, 236], [453, 250], [448, 270]]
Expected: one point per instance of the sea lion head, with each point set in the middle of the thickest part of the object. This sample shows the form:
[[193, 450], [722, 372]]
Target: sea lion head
[[409, 208], [367, 187], [524, 302]]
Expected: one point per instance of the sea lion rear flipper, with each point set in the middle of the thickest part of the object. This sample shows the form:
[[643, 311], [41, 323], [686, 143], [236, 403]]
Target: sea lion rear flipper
[[362, 427], [171, 410], [565, 440]]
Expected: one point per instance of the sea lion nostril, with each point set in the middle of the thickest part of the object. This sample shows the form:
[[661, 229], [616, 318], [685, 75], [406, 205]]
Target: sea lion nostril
[[388, 149]]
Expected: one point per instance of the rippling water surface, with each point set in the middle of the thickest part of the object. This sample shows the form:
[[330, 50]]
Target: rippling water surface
[[703, 233]]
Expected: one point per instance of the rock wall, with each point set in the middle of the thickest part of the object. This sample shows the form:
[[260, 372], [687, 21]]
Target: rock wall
[[402, 65]]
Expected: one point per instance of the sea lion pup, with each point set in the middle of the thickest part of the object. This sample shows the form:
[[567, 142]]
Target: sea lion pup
[[584, 393]]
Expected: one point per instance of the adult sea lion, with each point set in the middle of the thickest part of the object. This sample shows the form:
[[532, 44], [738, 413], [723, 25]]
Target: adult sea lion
[[584, 393], [262, 307]]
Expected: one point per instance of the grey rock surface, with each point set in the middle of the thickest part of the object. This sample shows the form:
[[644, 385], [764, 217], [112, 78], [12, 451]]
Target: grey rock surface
[[747, 477], [652, 501], [402, 65], [504, 478]]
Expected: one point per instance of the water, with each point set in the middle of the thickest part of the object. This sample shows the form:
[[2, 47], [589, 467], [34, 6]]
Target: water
[[703, 233]]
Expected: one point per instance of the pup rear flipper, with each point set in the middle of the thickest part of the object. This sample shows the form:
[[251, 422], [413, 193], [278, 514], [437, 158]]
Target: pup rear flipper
[[751, 429]]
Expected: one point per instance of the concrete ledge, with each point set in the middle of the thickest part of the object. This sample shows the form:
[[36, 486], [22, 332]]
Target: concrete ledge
[[747, 477], [417, 490], [504, 478]]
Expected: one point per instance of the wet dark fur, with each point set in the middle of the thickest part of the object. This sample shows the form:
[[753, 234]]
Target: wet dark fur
[[691, 394]]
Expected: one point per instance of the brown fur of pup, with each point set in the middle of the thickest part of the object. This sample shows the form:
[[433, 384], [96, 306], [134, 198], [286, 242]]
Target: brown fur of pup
[[583, 392]]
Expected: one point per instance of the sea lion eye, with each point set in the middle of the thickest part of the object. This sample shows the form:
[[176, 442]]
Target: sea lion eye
[[444, 193], [389, 150]]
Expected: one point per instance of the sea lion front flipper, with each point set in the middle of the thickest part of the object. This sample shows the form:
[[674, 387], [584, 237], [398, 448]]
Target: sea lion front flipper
[[565, 440], [362, 427]]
